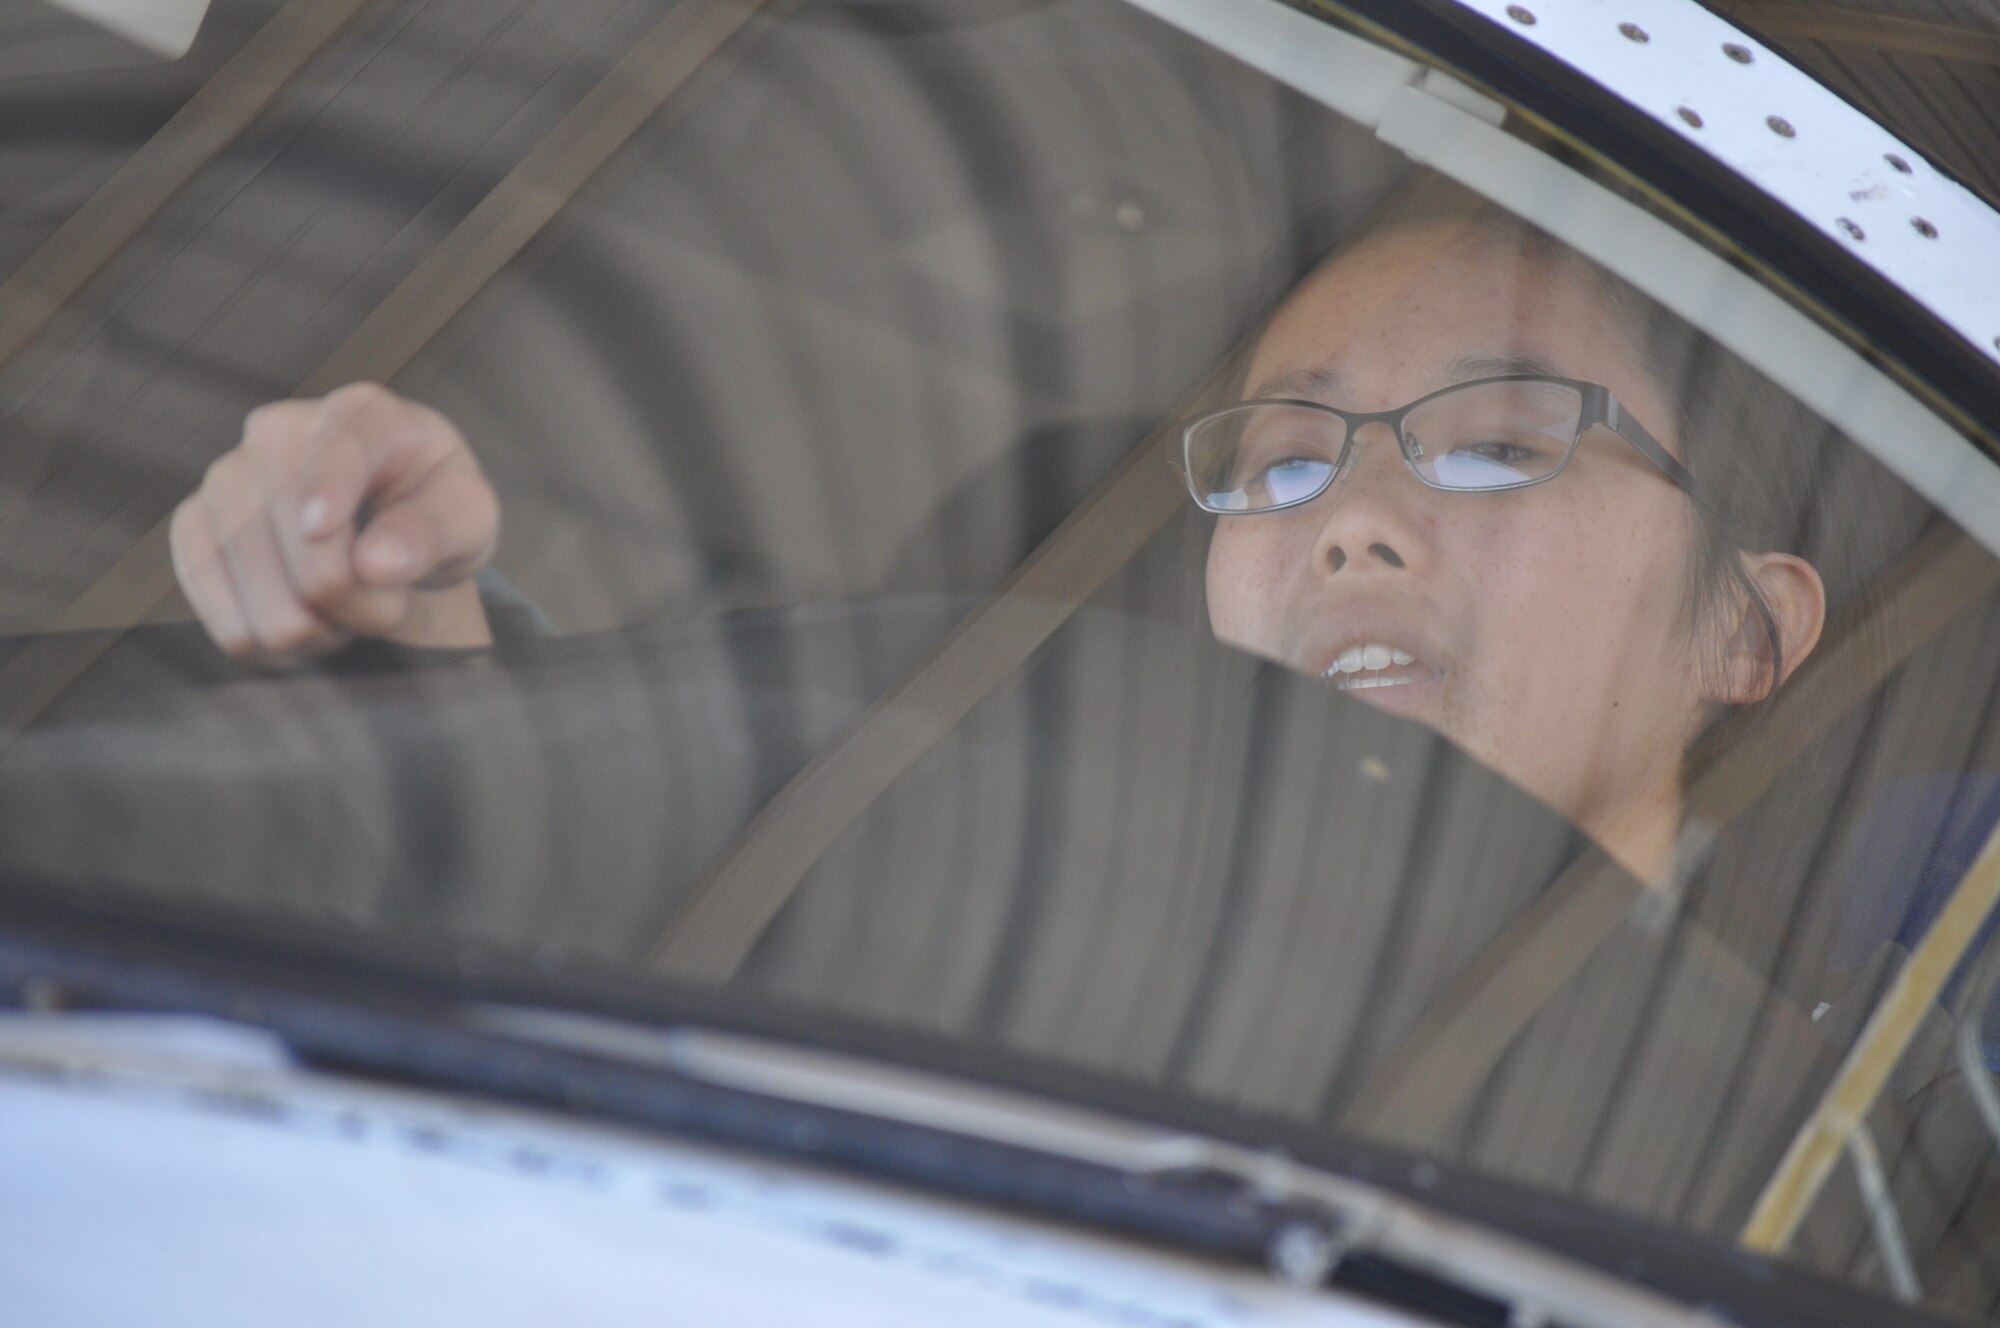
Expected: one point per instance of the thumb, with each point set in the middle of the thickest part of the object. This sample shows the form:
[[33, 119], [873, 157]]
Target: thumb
[[434, 534]]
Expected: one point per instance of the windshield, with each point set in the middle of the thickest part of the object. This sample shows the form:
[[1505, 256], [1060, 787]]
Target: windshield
[[1012, 523]]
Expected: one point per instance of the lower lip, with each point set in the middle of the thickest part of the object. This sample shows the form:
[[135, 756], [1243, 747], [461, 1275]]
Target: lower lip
[[1354, 682], [1399, 692]]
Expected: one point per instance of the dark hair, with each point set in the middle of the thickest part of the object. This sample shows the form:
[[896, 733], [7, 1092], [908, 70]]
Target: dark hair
[[1750, 446]]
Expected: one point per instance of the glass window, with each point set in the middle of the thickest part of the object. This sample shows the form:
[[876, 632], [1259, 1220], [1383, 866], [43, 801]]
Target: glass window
[[1538, 739]]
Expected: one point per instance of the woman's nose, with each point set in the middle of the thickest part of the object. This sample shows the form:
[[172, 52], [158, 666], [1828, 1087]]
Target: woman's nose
[[1372, 524], [1336, 556]]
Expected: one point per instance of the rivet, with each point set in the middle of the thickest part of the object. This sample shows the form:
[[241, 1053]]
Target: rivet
[[43, 995], [1520, 15], [1781, 126], [1634, 31], [1896, 162], [1854, 232], [1689, 114], [1924, 228], [1304, 1253], [1740, 54]]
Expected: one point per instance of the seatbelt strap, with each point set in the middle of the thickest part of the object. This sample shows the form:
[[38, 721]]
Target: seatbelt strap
[[709, 937], [147, 181]]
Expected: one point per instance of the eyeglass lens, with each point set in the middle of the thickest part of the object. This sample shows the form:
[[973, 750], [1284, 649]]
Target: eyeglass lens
[[1484, 436]]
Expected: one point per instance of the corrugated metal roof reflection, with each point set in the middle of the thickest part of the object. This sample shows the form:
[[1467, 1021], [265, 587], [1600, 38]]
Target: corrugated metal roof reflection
[[875, 261], [1928, 69]]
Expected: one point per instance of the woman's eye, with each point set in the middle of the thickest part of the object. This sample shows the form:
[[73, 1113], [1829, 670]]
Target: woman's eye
[[1499, 451], [1295, 467], [1495, 460], [1292, 479]]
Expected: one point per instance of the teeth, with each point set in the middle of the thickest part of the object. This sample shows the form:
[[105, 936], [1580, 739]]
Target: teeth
[[1363, 684], [1372, 656]]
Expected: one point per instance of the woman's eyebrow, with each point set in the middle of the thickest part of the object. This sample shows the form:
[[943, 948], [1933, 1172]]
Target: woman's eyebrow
[[1323, 384], [1307, 384], [1467, 367]]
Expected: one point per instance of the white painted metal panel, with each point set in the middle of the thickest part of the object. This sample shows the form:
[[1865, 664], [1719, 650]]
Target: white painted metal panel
[[1755, 112], [180, 1173]]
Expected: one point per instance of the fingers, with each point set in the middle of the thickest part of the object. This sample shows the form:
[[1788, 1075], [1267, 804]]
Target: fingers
[[313, 472], [327, 520], [330, 462], [245, 618], [400, 476], [434, 530], [204, 580], [279, 625]]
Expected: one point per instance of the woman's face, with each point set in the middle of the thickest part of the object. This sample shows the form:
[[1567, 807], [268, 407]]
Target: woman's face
[[1543, 625]]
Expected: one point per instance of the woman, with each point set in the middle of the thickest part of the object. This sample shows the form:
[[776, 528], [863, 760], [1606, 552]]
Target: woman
[[1577, 632], [1574, 618]]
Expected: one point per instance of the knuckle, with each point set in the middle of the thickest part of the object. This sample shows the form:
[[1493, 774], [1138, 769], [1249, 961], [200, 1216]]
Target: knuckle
[[361, 391], [289, 634], [481, 508], [224, 479], [359, 398], [218, 470], [373, 616], [273, 425], [322, 585], [233, 643], [373, 415], [435, 426], [185, 548]]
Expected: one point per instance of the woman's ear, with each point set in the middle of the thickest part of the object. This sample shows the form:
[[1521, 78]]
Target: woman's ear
[[1796, 597]]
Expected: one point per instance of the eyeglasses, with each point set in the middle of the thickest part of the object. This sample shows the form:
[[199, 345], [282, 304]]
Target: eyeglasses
[[1485, 436]]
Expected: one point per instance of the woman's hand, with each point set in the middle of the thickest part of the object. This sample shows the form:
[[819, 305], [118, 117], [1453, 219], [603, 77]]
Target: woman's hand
[[356, 514]]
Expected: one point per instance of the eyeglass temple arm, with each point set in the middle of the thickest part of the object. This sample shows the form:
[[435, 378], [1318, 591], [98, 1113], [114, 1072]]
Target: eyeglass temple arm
[[1633, 432]]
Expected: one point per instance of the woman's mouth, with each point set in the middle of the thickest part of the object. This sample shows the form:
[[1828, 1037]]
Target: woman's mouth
[[1373, 664]]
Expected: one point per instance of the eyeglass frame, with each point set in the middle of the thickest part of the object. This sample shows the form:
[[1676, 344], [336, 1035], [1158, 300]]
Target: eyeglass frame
[[1599, 407]]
